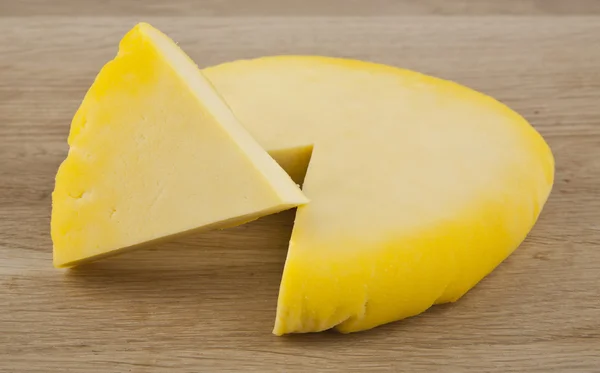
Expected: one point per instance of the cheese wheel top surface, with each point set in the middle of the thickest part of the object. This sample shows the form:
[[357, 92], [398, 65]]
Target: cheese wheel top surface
[[419, 186]]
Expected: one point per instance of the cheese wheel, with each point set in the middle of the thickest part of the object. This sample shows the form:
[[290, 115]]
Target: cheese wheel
[[419, 187], [154, 153]]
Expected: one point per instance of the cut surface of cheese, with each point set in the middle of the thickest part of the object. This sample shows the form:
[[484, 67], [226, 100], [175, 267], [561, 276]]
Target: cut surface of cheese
[[155, 152], [419, 187]]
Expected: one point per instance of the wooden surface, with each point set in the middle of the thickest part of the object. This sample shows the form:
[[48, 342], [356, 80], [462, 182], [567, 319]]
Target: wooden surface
[[207, 303]]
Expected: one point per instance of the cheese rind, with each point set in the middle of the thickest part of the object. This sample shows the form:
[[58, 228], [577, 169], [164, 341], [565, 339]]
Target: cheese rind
[[155, 152], [419, 187]]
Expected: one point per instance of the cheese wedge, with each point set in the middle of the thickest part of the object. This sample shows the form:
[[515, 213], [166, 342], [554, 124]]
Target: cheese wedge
[[419, 187], [155, 152]]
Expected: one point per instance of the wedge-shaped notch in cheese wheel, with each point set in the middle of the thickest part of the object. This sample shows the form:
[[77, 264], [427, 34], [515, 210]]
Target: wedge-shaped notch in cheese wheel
[[155, 152], [419, 187]]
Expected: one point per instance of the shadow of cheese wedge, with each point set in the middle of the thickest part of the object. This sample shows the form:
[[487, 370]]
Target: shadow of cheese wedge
[[419, 187], [155, 152]]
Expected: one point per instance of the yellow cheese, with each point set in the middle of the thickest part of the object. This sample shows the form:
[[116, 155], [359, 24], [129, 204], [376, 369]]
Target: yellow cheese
[[155, 152], [419, 187]]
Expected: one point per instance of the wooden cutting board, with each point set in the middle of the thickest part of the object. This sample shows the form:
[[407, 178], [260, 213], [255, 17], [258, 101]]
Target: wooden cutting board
[[207, 303]]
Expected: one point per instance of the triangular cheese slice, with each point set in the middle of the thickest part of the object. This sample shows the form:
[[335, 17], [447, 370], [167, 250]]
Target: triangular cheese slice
[[155, 152]]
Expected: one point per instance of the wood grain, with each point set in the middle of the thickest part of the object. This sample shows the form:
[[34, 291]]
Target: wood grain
[[296, 8], [206, 303]]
